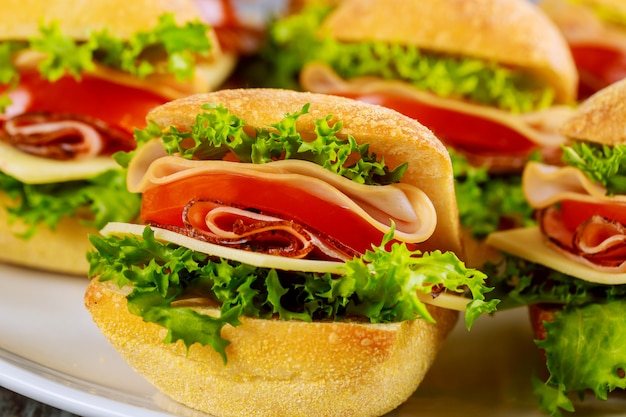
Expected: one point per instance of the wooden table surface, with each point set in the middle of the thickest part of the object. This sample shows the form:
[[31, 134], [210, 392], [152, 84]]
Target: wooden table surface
[[16, 405]]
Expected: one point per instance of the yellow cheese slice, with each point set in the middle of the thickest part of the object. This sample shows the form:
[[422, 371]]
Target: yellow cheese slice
[[251, 258], [528, 243], [31, 169], [445, 300]]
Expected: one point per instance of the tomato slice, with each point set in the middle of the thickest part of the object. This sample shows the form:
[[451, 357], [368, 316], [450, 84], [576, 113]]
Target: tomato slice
[[598, 67], [164, 204], [458, 130], [576, 212], [118, 105]]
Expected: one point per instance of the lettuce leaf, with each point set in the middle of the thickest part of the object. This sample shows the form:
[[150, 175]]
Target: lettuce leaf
[[585, 346], [379, 287], [519, 282], [295, 41], [486, 201], [603, 164], [105, 197], [585, 349], [217, 132]]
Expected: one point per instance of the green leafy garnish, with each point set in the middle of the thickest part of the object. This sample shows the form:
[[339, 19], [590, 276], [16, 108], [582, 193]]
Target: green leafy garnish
[[105, 195], [486, 201], [585, 349], [379, 287], [584, 345], [552, 398], [295, 41], [140, 55], [603, 164], [62, 54], [217, 132], [519, 282]]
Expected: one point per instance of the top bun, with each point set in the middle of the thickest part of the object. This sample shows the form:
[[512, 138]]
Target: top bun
[[601, 118], [20, 19], [511, 32], [390, 135]]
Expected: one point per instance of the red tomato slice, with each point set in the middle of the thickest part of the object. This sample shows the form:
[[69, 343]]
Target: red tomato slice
[[164, 205], [576, 212], [118, 105], [459, 130], [598, 67]]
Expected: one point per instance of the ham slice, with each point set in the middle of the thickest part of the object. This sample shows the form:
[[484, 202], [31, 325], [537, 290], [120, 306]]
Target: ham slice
[[598, 242], [61, 136], [237, 228], [545, 185]]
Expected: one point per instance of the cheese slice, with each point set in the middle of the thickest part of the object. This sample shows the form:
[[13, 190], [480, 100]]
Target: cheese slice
[[261, 260], [528, 243], [31, 169], [251, 258], [445, 300]]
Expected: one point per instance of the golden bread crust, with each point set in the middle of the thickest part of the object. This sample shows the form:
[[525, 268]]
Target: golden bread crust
[[511, 32], [61, 250], [276, 367], [391, 135], [601, 118], [21, 19]]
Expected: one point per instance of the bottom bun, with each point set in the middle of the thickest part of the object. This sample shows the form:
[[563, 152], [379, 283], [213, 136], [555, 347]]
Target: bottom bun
[[278, 367], [60, 250]]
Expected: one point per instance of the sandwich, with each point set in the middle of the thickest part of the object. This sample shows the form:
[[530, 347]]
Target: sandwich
[[491, 78], [595, 31], [296, 257], [570, 269], [76, 79]]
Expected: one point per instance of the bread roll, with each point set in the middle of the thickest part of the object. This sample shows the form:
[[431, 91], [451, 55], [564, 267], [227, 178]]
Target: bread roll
[[63, 249], [290, 367]]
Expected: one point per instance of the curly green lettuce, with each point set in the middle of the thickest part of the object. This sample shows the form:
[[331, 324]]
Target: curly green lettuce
[[295, 40], [584, 345], [585, 349], [379, 287], [140, 55], [603, 164], [104, 196], [217, 132]]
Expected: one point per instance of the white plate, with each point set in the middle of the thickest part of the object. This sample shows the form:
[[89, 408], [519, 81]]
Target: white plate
[[51, 351]]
